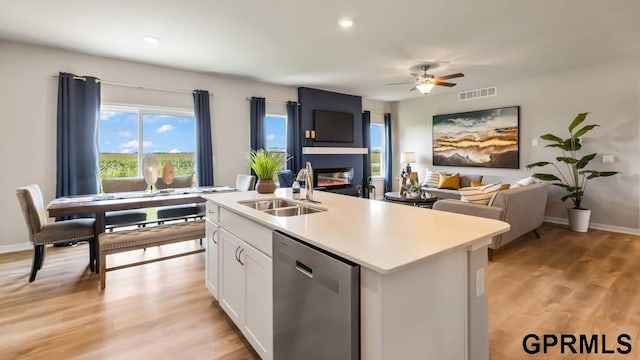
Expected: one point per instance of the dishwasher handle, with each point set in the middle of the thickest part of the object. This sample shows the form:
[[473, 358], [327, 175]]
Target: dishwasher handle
[[304, 269]]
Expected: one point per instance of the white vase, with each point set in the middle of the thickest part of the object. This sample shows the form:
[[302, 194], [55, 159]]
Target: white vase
[[579, 219]]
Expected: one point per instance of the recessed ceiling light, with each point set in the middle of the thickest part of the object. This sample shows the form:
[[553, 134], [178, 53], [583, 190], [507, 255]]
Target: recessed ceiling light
[[151, 39], [345, 22]]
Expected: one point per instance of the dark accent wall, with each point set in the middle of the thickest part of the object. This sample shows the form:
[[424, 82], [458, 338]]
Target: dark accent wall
[[314, 99]]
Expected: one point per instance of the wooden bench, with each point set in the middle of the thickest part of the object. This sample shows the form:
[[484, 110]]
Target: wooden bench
[[141, 238]]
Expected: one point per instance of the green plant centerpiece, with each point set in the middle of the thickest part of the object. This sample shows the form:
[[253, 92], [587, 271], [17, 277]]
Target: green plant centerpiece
[[266, 164], [412, 190], [573, 179]]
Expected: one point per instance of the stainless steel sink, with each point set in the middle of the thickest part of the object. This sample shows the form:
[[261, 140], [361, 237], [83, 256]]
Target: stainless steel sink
[[281, 207], [293, 211], [268, 204]]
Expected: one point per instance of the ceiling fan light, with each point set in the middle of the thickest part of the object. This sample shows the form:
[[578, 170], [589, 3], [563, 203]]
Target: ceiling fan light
[[426, 87]]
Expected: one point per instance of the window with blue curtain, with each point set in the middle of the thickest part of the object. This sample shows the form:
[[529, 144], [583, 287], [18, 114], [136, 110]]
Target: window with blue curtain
[[77, 171], [366, 159], [387, 155], [204, 146]]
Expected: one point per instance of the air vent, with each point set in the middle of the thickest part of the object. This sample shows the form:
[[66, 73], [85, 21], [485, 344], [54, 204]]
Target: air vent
[[477, 93]]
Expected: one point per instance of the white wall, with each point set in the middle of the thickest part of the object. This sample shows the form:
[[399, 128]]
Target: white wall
[[547, 104], [28, 99]]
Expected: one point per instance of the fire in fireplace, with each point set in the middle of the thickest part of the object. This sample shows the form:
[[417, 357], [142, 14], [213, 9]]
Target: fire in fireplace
[[333, 178]]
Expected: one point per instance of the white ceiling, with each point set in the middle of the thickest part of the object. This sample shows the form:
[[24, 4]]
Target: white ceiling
[[299, 43]]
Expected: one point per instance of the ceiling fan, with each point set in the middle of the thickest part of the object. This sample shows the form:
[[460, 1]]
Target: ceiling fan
[[425, 82]]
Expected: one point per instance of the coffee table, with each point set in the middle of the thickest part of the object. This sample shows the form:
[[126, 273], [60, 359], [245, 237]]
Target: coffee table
[[395, 197]]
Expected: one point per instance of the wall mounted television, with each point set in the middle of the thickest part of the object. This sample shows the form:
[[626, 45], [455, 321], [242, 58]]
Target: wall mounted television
[[333, 126]]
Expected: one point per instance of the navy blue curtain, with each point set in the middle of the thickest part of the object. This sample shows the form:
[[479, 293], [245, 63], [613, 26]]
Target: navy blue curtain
[[388, 163], [366, 159], [293, 136], [257, 115], [204, 147], [77, 161]]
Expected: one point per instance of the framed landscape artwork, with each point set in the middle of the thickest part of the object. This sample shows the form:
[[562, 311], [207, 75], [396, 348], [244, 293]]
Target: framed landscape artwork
[[483, 138]]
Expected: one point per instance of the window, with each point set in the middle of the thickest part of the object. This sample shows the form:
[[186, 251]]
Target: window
[[127, 133], [276, 134], [377, 149]]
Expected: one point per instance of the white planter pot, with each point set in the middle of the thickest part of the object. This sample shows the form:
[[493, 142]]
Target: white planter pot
[[579, 219]]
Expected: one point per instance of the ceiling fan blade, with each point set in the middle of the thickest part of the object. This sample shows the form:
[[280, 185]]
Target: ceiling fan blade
[[413, 88], [442, 83], [452, 76], [402, 83]]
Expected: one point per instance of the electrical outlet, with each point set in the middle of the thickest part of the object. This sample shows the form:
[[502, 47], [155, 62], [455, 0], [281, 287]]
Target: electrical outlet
[[534, 142], [608, 159]]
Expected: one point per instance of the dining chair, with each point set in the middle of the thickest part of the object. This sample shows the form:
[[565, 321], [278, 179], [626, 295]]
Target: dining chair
[[124, 217], [245, 182], [286, 178], [178, 211], [42, 234]]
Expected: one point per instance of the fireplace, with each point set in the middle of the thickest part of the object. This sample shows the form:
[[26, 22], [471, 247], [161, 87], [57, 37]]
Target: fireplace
[[333, 178]]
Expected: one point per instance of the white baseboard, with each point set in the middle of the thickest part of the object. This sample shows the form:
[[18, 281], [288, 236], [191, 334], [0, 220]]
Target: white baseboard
[[15, 248], [605, 227]]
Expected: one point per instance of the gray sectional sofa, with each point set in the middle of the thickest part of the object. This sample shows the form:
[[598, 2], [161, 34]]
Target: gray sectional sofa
[[523, 208]]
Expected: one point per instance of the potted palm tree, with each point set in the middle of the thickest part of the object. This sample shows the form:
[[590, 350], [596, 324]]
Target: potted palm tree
[[575, 177], [266, 164]]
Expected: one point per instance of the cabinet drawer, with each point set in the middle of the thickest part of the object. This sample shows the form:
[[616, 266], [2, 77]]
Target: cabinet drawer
[[254, 234], [213, 212]]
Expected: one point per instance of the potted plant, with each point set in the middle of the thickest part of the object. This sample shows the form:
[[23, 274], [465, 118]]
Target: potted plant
[[266, 164], [575, 177]]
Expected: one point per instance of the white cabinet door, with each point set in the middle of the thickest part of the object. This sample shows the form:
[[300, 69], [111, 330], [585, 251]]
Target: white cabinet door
[[232, 285], [258, 321], [211, 260]]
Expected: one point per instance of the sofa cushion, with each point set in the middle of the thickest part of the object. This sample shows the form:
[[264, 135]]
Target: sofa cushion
[[479, 195], [431, 179], [449, 181], [524, 182], [465, 180]]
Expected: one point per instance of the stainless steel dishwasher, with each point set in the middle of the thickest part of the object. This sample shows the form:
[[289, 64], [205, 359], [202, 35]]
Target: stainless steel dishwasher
[[316, 303]]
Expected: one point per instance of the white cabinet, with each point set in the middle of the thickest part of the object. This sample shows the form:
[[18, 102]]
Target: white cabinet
[[211, 259], [232, 286], [212, 229], [246, 291], [258, 323]]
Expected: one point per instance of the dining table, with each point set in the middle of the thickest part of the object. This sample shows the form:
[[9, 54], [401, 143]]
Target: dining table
[[97, 205]]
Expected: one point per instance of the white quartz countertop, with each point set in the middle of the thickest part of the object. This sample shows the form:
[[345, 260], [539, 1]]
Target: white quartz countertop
[[378, 235]]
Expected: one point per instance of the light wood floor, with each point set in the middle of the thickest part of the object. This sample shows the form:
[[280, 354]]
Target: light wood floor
[[155, 311], [565, 282]]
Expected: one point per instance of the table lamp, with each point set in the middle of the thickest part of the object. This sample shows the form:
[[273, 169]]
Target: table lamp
[[408, 157]]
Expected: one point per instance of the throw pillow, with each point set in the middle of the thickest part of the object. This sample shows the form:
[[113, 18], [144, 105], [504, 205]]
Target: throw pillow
[[524, 182], [479, 195], [432, 179], [449, 181], [476, 183]]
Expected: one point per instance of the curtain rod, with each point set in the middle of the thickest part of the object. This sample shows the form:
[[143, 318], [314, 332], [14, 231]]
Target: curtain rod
[[275, 101], [138, 86]]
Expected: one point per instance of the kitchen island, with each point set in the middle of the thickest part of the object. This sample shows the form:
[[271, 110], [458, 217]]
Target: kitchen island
[[421, 271]]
